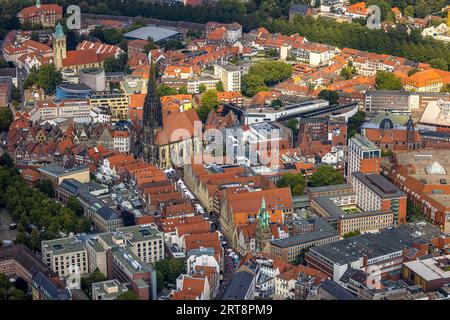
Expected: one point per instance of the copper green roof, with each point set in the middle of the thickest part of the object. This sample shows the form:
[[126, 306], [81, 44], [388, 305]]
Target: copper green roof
[[59, 31]]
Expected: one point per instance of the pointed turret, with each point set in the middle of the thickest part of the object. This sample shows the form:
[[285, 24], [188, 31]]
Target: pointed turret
[[152, 118]]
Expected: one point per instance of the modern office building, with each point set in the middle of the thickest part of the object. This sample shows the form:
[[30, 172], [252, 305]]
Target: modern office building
[[377, 254], [117, 102], [288, 249], [374, 192], [363, 156], [65, 256]]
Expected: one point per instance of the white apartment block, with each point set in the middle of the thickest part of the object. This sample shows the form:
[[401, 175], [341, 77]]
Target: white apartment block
[[121, 141], [230, 75], [194, 84], [67, 109]]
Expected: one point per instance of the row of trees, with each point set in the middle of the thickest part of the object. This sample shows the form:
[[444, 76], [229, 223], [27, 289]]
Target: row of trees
[[272, 14], [324, 176], [395, 42], [31, 207]]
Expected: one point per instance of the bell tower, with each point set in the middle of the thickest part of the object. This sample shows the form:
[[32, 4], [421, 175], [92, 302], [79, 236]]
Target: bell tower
[[263, 231], [59, 47]]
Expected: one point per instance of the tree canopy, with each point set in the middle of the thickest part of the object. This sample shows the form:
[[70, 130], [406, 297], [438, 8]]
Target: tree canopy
[[355, 123], [86, 282], [6, 118], [296, 182], [119, 64], [331, 96], [28, 206], [127, 295], [170, 269], [8, 291], [165, 90], [386, 80], [326, 176], [46, 78], [209, 102]]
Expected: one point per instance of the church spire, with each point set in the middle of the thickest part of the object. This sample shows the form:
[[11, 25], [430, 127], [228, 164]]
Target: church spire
[[152, 117], [263, 215], [38, 3], [152, 105]]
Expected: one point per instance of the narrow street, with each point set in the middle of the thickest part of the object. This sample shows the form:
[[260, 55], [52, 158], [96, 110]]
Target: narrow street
[[5, 221]]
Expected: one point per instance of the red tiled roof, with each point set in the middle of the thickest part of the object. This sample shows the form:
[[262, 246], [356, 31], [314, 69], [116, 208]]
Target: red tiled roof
[[32, 11]]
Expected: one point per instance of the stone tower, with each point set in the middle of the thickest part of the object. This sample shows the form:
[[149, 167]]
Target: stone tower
[[59, 47], [410, 133], [152, 118], [263, 231]]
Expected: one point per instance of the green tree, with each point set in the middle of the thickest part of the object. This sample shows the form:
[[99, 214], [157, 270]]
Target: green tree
[[6, 118], [409, 11], [385, 80], [292, 124], [300, 260], [209, 102], [107, 35], [252, 84], [4, 64], [119, 64], [277, 103], [74, 205], [326, 176], [351, 234], [201, 88], [173, 44], [86, 283], [5, 285], [296, 182], [413, 71], [331, 96], [355, 122], [219, 87], [183, 90], [35, 239], [439, 63], [159, 281], [16, 294], [346, 73], [127, 295], [46, 187], [165, 90], [46, 78], [170, 268]]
